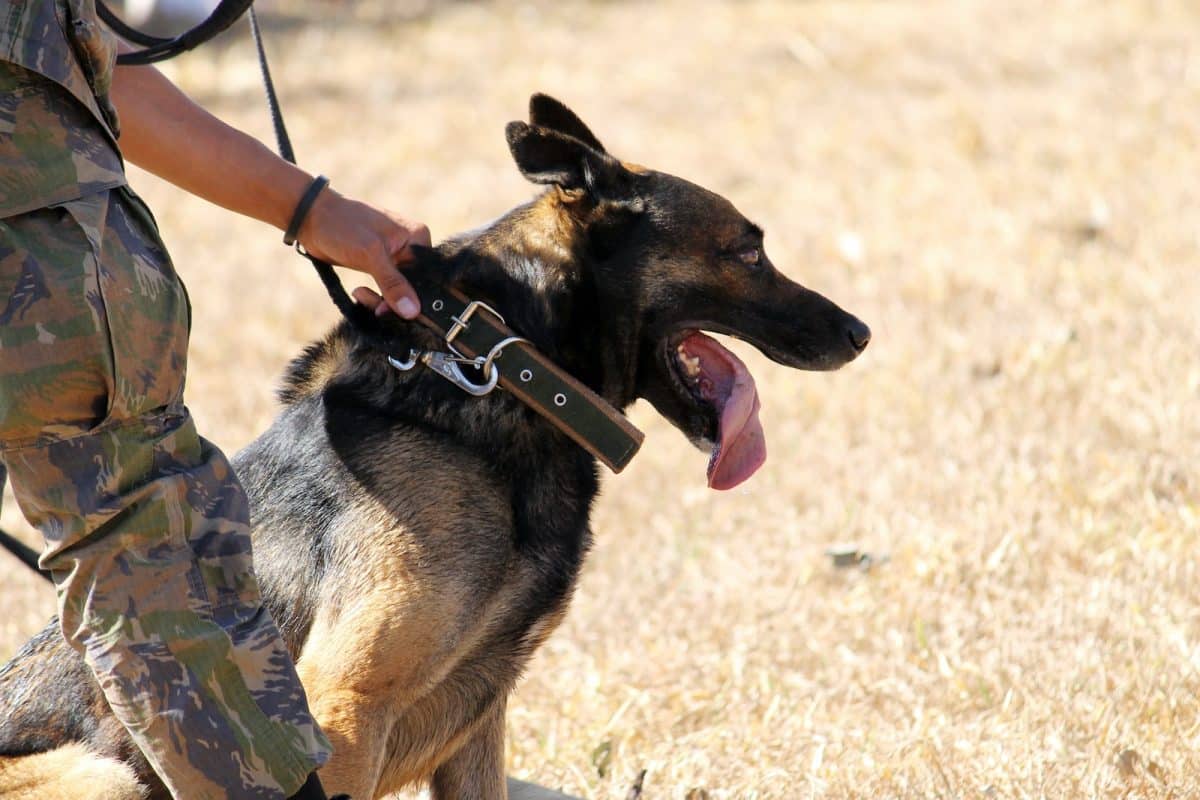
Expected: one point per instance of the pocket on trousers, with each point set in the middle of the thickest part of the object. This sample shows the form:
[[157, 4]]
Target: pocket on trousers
[[56, 359], [147, 308]]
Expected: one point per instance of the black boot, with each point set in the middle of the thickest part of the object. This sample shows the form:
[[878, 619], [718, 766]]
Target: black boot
[[312, 790]]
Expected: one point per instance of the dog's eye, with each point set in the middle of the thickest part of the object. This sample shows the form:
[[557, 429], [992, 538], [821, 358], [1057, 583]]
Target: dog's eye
[[750, 256]]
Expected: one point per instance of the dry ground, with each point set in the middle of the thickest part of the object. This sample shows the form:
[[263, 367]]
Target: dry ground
[[1008, 192]]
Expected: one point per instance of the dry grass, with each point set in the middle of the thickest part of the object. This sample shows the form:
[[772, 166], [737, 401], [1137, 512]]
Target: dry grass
[[1008, 192]]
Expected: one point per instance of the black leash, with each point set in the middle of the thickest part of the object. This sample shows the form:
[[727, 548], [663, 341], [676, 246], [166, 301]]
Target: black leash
[[362, 319], [159, 49], [26, 554]]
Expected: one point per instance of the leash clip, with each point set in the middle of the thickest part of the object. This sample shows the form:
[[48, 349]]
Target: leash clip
[[448, 364]]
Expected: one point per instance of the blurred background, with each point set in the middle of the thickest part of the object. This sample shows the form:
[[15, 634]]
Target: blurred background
[[1007, 191]]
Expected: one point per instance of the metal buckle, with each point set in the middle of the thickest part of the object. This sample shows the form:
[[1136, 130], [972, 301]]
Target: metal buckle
[[464, 322]]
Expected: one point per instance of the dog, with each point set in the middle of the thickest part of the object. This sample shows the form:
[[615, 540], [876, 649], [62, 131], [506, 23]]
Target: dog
[[415, 544]]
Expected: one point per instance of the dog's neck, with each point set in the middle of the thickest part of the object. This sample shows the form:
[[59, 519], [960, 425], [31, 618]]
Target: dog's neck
[[551, 291], [535, 264]]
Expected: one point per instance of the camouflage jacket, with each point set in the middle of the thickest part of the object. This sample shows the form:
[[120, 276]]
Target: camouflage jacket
[[58, 129]]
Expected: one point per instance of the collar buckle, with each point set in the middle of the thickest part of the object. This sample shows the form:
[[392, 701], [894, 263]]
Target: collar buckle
[[461, 323]]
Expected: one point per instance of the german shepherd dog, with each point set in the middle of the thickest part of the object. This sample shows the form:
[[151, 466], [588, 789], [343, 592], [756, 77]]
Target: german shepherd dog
[[415, 544]]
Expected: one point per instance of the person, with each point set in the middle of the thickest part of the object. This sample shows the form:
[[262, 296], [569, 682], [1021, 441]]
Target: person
[[146, 527]]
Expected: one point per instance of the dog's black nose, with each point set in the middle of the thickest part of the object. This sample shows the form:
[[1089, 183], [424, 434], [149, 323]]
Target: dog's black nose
[[859, 333]]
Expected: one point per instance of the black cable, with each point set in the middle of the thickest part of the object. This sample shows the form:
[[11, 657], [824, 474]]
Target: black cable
[[126, 32]]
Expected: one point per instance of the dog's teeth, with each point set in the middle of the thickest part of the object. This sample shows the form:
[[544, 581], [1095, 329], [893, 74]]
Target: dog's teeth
[[691, 364]]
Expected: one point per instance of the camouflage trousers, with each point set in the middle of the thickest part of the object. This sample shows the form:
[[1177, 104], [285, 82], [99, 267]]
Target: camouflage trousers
[[146, 526]]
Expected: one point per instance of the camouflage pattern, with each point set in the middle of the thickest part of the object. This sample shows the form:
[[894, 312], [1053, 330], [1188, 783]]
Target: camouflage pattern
[[146, 525], [33, 172], [64, 43]]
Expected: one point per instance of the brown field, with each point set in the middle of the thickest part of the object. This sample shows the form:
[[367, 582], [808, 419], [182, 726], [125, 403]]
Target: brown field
[[1008, 191]]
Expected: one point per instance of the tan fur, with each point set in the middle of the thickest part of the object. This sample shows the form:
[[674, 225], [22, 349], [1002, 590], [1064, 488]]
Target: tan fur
[[446, 538], [71, 772], [548, 233], [334, 350], [376, 669]]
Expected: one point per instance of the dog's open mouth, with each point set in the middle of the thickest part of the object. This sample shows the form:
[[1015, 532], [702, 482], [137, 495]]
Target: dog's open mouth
[[719, 381]]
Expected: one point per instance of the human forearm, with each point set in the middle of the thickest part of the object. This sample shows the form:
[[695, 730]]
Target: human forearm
[[166, 133]]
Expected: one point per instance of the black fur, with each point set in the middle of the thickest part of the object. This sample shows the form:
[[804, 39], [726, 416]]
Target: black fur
[[603, 273]]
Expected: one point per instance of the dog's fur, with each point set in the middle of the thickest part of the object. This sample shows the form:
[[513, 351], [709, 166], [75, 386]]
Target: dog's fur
[[416, 545]]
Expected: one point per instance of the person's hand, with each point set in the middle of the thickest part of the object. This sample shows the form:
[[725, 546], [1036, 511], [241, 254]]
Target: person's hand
[[352, 234]]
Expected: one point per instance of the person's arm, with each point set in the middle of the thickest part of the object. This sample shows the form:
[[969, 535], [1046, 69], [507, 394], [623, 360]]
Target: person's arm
[[166, 133]]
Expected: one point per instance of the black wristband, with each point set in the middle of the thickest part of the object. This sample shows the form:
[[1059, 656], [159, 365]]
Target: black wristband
[[303, 207]]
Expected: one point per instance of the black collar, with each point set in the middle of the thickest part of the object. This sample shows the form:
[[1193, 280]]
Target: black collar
[[475, 335]]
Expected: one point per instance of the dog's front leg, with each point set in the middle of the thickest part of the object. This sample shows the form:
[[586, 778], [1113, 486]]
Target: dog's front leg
[[476, 771], [357, 728]]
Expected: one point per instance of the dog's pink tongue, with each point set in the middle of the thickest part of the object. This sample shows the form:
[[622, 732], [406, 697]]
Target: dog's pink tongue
[[725, 382]]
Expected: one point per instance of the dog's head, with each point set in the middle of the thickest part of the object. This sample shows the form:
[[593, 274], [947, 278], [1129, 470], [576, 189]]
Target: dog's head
[[671, 260]]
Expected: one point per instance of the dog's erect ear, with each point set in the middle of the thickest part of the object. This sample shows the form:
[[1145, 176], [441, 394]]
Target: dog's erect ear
[[547, 112], [548, 156]]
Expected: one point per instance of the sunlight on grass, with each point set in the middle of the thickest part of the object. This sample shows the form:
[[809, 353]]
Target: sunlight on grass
[[1006, 192]]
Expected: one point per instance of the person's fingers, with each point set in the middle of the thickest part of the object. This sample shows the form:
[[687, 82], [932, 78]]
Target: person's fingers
[[356, 235], [396, 290], [371, 300], [417, 233], [421, 235]]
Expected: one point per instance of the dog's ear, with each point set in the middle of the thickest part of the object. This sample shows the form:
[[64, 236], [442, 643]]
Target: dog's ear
[[548, 156], [547, 112]]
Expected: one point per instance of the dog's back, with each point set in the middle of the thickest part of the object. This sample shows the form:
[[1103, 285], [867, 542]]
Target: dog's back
[[57, 736]]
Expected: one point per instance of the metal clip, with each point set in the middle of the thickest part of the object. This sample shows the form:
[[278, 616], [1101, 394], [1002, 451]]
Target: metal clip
[[448, 364], [498, 350], [414, 356]]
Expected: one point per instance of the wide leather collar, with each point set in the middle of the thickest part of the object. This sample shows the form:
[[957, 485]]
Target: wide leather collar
[[476, 335]]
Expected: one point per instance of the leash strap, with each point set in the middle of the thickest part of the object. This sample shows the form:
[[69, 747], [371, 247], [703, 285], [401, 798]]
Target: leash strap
[[474, 330], [281, 135], [362, 319], [27, 555], [158, 49]]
